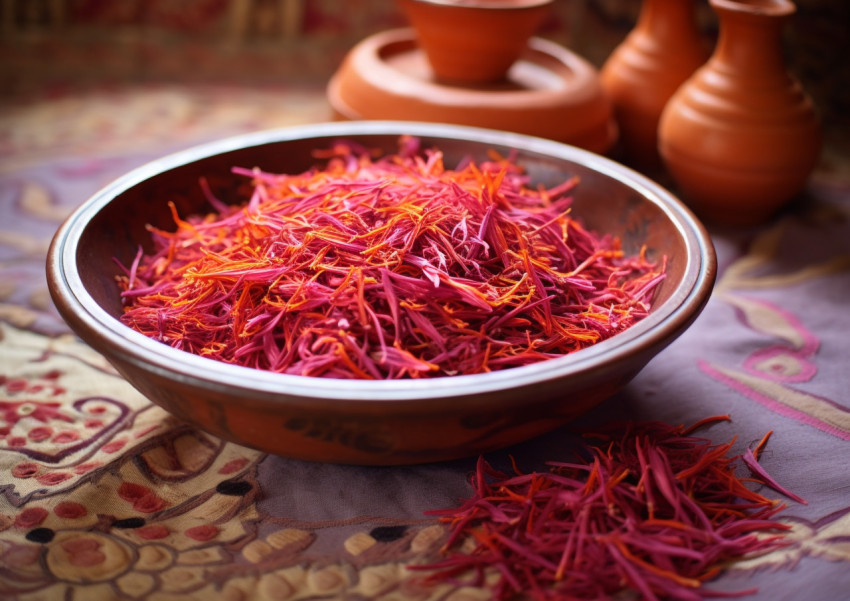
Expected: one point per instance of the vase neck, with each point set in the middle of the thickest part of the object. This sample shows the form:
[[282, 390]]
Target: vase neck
[[666, 19], [750, 35]]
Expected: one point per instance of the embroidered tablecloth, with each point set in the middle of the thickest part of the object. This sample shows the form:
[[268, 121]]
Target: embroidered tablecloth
[[105, 496]]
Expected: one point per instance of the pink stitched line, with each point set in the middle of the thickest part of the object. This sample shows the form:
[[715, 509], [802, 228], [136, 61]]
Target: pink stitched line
[[775, 405]]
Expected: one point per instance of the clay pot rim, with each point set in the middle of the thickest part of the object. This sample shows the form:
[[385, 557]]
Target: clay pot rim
[[775, 8], [367, 80], [374, 47], [502, 5]]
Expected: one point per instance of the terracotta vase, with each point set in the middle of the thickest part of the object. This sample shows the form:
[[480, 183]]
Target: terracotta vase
[[642, 73], [474, 42], [741, 136]]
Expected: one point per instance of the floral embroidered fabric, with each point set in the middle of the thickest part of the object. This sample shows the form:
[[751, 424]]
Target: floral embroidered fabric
[[105, 496]]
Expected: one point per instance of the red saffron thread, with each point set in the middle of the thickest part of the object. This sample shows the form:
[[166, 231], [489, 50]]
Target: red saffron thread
[[385, 268], [647, 507]]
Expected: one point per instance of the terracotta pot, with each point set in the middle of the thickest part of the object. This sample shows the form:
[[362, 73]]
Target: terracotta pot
[[741, 137], [642, 73], [471, 42], [551, 92]]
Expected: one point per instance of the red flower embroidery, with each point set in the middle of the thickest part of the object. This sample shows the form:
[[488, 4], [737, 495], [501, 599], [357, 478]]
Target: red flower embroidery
[[150, 503], [86, 467], [131, 492], [233, 466], [83, 552], [16, 385], [40, 433], [202, 533], [70, 510], [114, 446], [25, 470], [31, 517], [12, 413], [144, 500], [152, 532], [65, 437], [52, 478]]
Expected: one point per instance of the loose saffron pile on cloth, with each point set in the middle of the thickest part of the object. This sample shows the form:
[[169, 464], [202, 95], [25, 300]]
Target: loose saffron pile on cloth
[[646, 507], [387, 267]]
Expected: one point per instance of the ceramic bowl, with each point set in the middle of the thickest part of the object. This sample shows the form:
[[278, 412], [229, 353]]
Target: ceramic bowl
[[473, 42], [373, 422]]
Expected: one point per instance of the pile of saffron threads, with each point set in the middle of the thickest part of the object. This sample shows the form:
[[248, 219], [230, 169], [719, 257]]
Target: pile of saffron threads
[[650, 508], [387, 267]]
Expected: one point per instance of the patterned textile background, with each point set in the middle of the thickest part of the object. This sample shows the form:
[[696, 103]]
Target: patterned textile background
[[105, 496], [59, 46]]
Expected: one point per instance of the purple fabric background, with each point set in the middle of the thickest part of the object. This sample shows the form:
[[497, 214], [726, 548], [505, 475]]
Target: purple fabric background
[[771, 350]]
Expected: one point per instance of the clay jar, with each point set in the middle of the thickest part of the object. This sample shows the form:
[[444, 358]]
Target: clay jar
[[642, 73], [474, 42], [740, 137]]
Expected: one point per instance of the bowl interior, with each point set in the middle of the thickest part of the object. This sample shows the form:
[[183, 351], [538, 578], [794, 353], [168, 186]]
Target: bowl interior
[[117, 229]]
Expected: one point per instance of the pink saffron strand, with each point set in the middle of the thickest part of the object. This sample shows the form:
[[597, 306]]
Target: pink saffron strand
[[764, 477]]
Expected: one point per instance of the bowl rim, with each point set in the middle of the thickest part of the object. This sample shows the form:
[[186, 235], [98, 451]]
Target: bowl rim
[[90, 321]]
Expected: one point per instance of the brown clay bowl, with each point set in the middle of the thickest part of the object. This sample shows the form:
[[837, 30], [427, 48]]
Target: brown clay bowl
[[472, 42], [373, 422]]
